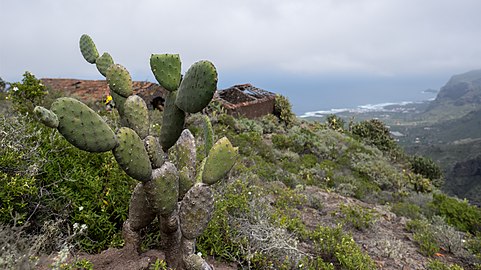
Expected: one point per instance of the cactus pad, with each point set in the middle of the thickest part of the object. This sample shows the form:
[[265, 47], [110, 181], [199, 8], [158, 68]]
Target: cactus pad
[[163, 189], [221, 158], [197, 87], [119, 102], [88, 49], [140, 212], [119, 80], [208, 134], [156, 154], [82, 127], [132, 156], [183, 154], [136, 115], [166, 69], [46, 116], [173, 122], [196, 210], [103, 63]]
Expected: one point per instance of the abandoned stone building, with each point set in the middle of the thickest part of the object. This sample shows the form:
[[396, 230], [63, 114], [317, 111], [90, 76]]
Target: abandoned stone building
[[243, 99]]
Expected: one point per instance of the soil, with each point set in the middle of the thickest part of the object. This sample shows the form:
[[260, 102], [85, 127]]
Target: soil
[[124, 259]]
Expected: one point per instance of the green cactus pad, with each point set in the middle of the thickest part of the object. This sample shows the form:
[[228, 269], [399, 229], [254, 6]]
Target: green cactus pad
[[88, 49], [183, 155], [166, 69], [119, 80], [46, 116], [132, 156], [82, 127], [119, 102], [103, 63], [137, 115], [221, 158], [196, 210], [163, 189], [208, 134], [172, 122], [156, 154], [141, 213], [197, 87]]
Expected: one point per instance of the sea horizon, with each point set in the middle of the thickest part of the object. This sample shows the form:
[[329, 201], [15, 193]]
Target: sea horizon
[[417, 97]]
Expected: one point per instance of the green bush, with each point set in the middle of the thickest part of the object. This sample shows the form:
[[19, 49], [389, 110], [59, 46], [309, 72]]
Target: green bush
[[426, 167], [374, 132], [340, 249], [406, 209], [437, 265], [424, 236], [38, 179], [27, 94], [457, 213], [357, 216], [335, 122], [283, 110]]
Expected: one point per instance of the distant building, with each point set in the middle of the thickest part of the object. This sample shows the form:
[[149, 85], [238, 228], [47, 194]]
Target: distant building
[[247, 100], [96, 90], [243, 99]]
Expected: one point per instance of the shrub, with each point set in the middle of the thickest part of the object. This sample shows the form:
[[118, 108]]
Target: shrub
[[335, 122], [437, 265], [283, 110], [424, 236], [38, 179], [460, 214], [340, 249], [357, 216], [27, 94], [376, 133], [474, 245], [426, 167], [406, 209]]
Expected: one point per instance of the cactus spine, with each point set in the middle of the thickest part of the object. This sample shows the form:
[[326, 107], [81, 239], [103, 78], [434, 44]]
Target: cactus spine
[[171, 191]]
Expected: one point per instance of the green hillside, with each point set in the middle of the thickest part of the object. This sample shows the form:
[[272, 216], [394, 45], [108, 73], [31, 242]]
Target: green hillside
[[303, 195]]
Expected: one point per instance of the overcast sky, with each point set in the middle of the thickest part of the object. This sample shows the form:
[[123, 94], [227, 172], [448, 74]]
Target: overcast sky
[[255, 41]]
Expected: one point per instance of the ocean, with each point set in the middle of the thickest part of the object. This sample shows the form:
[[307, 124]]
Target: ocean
[[358, 103]]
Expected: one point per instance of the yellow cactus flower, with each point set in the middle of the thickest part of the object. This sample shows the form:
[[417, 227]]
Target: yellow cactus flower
[[108, 100]]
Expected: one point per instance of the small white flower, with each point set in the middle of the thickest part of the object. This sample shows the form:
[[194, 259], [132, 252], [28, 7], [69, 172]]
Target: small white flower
[[75, 226], [15, 88], [199, 254], [249, 193], [83, 227], [81, 208]]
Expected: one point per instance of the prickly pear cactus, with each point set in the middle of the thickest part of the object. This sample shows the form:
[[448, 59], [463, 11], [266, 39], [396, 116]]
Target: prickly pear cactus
[[171, 188]]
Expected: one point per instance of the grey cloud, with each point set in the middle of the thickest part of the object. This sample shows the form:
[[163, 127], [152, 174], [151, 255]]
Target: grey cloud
[[304, 36]]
